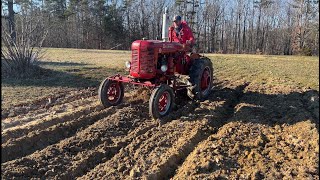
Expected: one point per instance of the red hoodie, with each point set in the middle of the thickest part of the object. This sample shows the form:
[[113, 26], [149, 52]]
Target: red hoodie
[[184, 34]]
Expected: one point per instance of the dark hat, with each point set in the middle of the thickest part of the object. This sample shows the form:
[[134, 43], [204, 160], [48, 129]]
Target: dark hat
[[176, 18]]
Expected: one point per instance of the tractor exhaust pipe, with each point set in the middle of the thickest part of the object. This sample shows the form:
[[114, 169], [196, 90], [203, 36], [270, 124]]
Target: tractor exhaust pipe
[[165, 19]]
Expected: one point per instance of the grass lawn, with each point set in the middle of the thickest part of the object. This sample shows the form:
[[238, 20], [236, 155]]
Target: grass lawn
[[78, 68], [296, 71]]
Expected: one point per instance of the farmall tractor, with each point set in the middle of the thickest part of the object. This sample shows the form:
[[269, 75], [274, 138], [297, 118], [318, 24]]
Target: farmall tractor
[[164, 66]]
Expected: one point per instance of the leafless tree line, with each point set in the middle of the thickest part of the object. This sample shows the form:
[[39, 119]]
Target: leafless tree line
[[220, 26]]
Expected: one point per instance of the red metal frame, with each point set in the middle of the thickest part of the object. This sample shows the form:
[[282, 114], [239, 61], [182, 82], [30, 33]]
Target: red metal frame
[[131, 80]]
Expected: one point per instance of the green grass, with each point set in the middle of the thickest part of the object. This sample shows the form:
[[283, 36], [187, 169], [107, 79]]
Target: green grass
[[297, 71], [68, 69], [78, 68]]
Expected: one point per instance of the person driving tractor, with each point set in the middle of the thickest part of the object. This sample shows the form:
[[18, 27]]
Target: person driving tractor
[[182, 32]]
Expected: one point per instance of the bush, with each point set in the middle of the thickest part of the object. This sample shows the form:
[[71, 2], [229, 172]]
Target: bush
[[19, 57], [18, 61], [258, 52], [306, 51]]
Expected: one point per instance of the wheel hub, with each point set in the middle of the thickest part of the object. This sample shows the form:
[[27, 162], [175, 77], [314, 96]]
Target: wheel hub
[[113, 92], [205, 80], [164, 102]]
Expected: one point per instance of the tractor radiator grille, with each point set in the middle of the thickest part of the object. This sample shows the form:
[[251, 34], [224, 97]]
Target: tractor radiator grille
[[135, 60], [147, 61]]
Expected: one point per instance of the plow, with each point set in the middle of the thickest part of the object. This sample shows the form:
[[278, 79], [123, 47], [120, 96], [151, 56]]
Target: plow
[[164, 66]]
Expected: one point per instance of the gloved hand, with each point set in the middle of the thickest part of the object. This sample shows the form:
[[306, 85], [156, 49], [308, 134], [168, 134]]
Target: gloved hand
[[186, 47]]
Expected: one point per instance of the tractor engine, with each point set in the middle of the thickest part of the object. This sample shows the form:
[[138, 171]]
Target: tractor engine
[[152, 57], [143, 64]]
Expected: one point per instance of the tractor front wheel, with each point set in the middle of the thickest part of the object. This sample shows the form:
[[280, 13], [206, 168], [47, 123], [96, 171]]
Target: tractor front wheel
[[111, 92], [161, 101]]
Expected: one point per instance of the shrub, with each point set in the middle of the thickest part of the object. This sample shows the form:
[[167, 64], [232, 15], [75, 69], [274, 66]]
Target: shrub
[[306, 51], [258, 52], [19, 57]]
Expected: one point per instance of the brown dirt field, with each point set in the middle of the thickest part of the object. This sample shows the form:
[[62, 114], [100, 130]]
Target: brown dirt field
[[240, 132]]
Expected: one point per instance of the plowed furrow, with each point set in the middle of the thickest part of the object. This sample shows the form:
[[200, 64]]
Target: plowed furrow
[[73, 156], [47, 121], [22, 108], [40, 138], [148, 151], [46, 102], [159, 152], [35, 117], [44, 118], [166, 166], [219, 107], [258, 141], [103, 152]]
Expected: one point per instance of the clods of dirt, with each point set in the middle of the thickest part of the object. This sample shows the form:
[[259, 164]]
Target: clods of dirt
[[242, 131]]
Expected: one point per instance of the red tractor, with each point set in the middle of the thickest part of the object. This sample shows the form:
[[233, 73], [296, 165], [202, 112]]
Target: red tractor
[[164, 66]]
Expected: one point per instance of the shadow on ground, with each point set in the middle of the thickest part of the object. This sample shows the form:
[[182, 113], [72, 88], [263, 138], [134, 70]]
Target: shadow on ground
[[53, 63], [65, 74], [270, 109], [256, 135]]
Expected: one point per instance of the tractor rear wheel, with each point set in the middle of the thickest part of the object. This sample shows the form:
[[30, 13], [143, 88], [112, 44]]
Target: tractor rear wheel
[[111, 92], [161, 101], [201, 76]]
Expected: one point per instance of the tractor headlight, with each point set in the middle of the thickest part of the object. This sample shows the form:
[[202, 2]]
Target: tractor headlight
[[164, 68], [128, 64]]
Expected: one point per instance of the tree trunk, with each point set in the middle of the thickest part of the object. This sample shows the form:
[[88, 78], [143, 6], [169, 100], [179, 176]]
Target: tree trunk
[[12, 29]]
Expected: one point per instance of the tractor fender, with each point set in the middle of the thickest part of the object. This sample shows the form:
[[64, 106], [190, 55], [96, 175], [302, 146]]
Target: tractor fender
[[194, 56]]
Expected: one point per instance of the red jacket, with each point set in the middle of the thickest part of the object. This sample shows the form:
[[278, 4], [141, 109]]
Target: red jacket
[[184, 34]]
